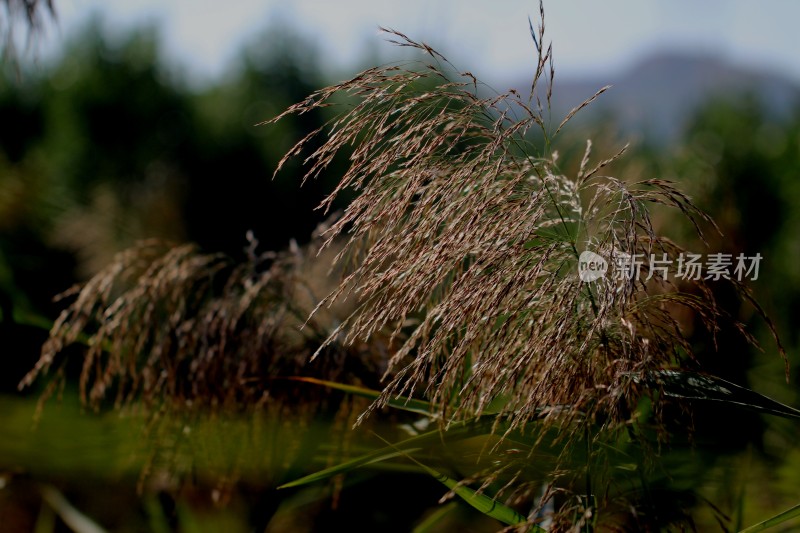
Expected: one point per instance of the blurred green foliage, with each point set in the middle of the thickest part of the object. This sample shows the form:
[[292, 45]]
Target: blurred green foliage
[[109, 145], [739, 159]]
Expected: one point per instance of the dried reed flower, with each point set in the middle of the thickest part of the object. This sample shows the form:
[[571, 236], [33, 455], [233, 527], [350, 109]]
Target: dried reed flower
[[464, 241], [465, 229], [181, 336], [164, 322]]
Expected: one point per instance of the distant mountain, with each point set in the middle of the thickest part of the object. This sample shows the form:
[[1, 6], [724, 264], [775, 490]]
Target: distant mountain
[[657, 97]]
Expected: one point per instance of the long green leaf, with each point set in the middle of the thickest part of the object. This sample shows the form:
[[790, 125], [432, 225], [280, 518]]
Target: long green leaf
[[694, 386], [459, 430], [72, 517], [483, 503], [480, 501], [780, 518], [432, 522], [398, 402]]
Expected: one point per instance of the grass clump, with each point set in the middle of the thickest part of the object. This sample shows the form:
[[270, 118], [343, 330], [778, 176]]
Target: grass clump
[[459, 286], [463, 241], [465, 236], [168, 323]]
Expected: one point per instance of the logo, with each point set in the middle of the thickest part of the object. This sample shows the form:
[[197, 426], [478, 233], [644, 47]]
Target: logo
[[686, 266], [591, 266]]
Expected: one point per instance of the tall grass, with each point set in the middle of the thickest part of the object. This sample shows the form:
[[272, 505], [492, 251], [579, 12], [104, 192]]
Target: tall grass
[[466, 237], [168, 325], [459, 285]]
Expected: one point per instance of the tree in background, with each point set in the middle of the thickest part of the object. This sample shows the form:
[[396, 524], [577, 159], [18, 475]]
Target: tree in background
[[740, 162], [109, 146]]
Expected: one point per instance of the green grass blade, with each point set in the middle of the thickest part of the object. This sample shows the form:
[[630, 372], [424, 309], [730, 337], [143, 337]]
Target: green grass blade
[[483, 503], [399, 402], [780, 518], [458, 430], [45, 521], [72, 517], [433, 521], [157, 519], [375, 457], [694, 386], [480, 501]]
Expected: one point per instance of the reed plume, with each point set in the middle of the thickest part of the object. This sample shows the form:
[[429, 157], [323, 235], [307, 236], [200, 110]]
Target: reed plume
[[465, 238]]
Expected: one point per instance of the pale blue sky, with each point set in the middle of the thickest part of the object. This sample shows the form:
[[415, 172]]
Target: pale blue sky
[[489, 38]]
